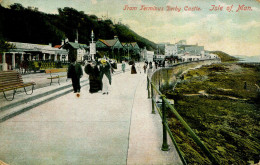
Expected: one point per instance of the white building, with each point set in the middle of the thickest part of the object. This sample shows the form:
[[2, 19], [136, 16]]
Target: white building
[[189, 58], [144, 53], [150, 55], [159, 57], [31, 52], [171, 49]]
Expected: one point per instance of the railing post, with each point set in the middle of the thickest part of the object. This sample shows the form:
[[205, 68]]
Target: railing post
[[153, 112], [147, 80], [148, 86], [159, 80], [165, 146], [167, 75]]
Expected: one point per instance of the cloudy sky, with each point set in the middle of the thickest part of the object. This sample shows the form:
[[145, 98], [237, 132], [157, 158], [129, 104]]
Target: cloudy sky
[[234, 32]]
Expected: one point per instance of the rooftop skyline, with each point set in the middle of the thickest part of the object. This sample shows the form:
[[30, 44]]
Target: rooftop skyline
[[209, 24]]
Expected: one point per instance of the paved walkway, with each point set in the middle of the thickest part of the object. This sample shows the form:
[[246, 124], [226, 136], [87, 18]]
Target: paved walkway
[[91, 129]]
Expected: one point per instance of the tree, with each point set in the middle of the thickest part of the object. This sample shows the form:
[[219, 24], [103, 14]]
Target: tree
[[5, 46], [17, 6]]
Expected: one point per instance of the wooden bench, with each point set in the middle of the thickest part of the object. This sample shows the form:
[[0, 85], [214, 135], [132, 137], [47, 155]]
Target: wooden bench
[[12, 80], [56, 76]]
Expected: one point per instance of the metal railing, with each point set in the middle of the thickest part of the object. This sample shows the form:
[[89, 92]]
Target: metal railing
[[162, 112]]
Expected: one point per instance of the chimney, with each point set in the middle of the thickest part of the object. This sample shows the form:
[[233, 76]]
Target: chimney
[[77, 37]]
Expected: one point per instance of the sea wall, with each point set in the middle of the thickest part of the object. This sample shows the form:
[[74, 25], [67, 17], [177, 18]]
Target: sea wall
[[168, 76]]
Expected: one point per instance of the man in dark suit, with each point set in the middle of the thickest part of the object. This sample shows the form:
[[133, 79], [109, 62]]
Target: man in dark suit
[[75, 73]]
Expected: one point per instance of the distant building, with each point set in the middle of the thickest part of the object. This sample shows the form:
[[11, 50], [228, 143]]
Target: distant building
[[159, 57], [112, 47], [76, 49], [189, 58], [171, 49], [133, 49], [144, 53], [194, 49], [182, 42], [150, 56]]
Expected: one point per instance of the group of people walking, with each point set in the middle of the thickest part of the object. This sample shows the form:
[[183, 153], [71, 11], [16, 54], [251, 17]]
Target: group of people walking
[[99, 75], [99, 72]]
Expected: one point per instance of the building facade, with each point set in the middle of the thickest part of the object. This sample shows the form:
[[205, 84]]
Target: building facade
[[30, 52], [171, 49], [77, 50]]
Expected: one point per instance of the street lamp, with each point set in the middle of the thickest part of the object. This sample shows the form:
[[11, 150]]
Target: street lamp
[[92, 46], [128, 51]]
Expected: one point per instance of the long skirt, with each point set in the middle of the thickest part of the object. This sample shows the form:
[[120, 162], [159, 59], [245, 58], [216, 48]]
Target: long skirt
[[106, 84], [133, 70], [94, 83]]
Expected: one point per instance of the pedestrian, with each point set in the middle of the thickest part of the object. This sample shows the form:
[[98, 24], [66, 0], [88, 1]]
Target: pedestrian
[[145, 66], [133, 69], [163, 64], [75, 73], [123, 66], [139, 68], [105, 72], [92, 69], [150, 65], [150, 70], [25, 66], [156, 64], [113, 66]]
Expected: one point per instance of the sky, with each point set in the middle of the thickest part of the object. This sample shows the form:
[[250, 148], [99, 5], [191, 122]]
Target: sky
[[234, 32]]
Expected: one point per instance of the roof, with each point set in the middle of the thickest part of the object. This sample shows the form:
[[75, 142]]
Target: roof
[[124, 44], [109, 43], [77, 45], [35, 48], [57, 46], [184, 46], [133, 44]]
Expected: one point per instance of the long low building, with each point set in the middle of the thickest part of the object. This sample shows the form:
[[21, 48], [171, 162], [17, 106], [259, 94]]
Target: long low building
[[31, 52]]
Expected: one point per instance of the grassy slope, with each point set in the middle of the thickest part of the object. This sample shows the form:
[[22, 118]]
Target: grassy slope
[[224, 56], [229, 127]]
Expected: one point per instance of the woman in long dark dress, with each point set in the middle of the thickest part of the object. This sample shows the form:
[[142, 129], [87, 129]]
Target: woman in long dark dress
[[133, 69], [95, 82]]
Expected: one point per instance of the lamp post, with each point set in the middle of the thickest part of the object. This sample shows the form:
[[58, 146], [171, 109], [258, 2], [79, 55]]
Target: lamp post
[[92, 46], [128, 52]]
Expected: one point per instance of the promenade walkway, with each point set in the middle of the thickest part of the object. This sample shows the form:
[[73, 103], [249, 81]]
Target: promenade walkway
[[97, 129]]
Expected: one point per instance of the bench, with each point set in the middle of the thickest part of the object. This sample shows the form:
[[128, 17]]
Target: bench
[[12, 80], [56, 76]]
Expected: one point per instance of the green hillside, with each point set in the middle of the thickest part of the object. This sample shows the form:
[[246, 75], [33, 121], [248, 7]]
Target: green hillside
[[21, 24], [224, 56]]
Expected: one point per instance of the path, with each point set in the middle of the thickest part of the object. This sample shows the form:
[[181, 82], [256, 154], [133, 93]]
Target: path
[[93, 129]]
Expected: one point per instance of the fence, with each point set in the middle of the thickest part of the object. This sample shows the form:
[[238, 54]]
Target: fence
[[153, 92]]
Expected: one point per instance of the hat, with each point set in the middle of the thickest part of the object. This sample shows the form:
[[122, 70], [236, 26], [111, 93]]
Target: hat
[[103, 61]]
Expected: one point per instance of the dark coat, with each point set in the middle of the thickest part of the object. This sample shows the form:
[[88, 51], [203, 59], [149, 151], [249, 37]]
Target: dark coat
[[75, 71], [150, 65], [94, 78], [133, 69]]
